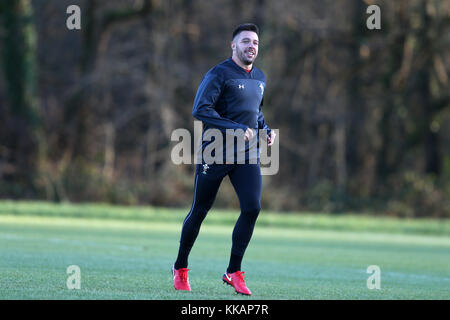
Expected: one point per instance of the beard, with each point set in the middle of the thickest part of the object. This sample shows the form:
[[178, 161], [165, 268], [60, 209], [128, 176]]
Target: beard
[[244, 58]]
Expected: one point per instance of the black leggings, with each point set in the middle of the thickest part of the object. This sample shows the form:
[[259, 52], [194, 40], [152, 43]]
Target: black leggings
[[247, 182]]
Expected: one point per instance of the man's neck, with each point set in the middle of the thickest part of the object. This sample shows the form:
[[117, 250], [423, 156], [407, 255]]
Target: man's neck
[[246, 67]]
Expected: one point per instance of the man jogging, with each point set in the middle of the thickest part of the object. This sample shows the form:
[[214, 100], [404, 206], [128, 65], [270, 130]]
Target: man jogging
[[229, 97]]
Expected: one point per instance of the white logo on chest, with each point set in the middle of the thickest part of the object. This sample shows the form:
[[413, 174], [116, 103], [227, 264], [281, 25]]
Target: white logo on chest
[[241, 86]]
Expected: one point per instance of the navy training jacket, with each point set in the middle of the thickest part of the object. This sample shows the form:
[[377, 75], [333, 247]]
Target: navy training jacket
[[229, 97]]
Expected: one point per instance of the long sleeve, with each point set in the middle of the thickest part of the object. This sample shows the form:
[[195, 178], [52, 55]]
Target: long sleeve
[[261, 122], [207, 95]]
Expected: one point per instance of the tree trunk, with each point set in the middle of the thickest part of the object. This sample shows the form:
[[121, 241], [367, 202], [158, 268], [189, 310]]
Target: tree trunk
[[22, 122]]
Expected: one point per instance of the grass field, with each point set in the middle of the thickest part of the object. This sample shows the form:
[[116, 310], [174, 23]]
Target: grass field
[[127, 253]]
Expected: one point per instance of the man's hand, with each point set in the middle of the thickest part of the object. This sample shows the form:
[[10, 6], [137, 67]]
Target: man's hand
[[248, 134], [271, 138]]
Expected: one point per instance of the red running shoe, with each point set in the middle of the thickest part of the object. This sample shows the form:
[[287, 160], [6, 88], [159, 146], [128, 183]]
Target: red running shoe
[[237, 281], [181, 279]]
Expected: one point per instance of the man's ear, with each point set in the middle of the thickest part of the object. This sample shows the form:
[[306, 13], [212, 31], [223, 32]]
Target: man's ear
[[233, 46]]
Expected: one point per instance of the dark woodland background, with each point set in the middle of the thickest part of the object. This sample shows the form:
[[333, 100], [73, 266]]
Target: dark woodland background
[[86, 115]]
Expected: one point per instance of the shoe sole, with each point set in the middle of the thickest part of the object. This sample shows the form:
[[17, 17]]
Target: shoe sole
[[244, 294]]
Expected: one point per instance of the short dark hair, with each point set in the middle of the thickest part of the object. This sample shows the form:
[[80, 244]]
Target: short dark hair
[[245, 27]]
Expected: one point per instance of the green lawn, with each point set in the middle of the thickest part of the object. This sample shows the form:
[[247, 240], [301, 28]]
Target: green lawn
[[127, 253]]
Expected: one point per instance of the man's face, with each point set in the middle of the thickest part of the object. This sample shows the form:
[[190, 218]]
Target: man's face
[[245, 46]]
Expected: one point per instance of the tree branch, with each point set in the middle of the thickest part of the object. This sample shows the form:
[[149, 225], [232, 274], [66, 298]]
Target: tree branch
[[127, 14]]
